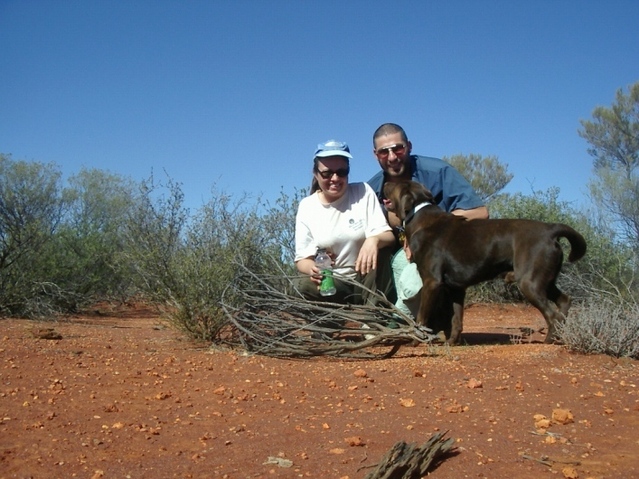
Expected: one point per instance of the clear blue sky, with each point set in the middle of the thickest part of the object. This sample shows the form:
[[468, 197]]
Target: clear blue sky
[[238, 93]]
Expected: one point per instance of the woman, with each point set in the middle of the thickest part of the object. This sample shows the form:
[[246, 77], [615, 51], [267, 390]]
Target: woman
[[346, 219]]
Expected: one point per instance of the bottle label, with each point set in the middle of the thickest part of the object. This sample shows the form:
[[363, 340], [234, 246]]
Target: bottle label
[[327, 286]]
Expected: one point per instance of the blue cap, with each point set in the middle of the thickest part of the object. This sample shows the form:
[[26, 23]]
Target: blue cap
[[332, 148]]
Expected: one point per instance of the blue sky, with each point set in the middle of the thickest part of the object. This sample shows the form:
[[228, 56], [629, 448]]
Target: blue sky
[[236, 94]]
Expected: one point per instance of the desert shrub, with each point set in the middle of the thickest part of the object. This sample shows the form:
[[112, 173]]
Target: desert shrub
[[82, 258], [608, 321], [186, 263], [32, 204], [223, 235], [494, 291], [601, 326], [279, 221], [59, 244], [92, 235]]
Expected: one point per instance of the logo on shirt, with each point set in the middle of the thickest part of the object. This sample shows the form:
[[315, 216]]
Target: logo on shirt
[[355, 225]]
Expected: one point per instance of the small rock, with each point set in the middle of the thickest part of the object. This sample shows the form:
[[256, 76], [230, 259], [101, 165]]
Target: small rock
[[562, 416], [570, 473], [354, 441], [474, 384], [407, 402], [46, 333]]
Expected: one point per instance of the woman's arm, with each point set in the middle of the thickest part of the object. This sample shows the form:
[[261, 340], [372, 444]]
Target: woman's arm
[[367, 257]]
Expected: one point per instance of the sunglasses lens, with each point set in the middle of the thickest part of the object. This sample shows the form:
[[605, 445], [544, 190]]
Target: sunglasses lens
[[328, 174], [397, 149]]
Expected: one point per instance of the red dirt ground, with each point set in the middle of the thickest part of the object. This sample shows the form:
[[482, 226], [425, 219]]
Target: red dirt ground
[[122, 396]]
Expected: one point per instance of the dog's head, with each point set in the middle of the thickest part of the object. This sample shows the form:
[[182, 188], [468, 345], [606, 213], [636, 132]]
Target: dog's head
[[404, 196]]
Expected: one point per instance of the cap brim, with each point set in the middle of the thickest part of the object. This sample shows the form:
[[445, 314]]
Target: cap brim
[[324, 154]]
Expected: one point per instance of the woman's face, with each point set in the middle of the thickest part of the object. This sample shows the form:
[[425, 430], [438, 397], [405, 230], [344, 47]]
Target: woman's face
[[332, 176]]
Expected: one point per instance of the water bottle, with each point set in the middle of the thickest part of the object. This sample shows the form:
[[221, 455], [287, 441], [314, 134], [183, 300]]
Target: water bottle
[[323, 263]]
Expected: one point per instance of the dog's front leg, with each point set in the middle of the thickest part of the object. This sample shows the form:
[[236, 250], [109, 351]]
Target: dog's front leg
[[429, 292], [457, 297]]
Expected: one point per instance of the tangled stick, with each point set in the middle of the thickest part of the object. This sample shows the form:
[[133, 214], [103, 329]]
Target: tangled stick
[[273, 319]]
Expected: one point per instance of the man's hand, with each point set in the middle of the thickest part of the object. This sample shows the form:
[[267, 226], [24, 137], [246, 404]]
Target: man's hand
[[409, 253]]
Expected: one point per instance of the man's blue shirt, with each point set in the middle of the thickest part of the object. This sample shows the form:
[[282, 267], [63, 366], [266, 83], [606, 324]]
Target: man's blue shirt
[[449, 188]]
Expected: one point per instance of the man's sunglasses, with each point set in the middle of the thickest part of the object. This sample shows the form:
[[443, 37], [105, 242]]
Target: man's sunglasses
[[398, 149], [328, 174]]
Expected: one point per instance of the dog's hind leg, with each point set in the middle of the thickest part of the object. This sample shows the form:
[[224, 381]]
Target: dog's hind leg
[[560, 299], [537, 295]]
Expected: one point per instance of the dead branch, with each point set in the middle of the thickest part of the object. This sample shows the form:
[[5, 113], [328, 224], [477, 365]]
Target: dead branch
[[410, 461], [273, 319]]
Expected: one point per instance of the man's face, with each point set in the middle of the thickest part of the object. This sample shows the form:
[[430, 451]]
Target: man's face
[[393, 154]]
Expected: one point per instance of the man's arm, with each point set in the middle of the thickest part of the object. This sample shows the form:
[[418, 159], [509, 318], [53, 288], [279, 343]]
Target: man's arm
[[480, 213]]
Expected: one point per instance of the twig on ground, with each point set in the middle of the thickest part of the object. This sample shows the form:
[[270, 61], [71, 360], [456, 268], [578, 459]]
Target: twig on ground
[[409, 461], [546, 461]]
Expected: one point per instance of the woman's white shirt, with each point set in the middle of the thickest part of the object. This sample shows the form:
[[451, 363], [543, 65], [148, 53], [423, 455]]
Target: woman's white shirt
[[340, 226]]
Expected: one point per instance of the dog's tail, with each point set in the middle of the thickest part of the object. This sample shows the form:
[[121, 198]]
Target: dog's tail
[[577, 242]]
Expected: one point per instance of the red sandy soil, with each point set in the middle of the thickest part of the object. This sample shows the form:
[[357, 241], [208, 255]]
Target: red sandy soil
[[121, 395]]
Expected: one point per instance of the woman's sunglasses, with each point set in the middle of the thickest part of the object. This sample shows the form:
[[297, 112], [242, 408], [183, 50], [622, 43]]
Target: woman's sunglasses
[[328, 174]]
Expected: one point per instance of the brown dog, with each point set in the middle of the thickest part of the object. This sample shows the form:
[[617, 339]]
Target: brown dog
[[452, 253]]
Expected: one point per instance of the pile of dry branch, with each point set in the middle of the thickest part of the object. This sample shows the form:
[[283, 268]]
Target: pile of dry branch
[[273, 319]]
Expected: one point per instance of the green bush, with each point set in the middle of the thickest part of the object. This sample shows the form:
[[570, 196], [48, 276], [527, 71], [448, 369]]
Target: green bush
[[59, 246], [32, 205]]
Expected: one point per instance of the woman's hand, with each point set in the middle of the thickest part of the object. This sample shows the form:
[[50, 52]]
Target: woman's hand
[[316, 275], [307, 266], [367, 257]]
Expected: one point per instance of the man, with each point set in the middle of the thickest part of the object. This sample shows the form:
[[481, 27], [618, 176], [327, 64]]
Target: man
[[452, 193]]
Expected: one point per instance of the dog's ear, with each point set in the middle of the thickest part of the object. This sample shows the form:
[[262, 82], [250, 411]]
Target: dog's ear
[[405, 195], [392, 194], [420, 193], [405, 200], [388, 190]]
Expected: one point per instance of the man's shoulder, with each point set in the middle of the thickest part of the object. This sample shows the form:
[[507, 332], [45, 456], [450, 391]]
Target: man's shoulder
[[376, 178], [376, 181], [428, 163]]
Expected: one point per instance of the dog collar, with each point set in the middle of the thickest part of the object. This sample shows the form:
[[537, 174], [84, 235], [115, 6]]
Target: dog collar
[[411, 215]]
